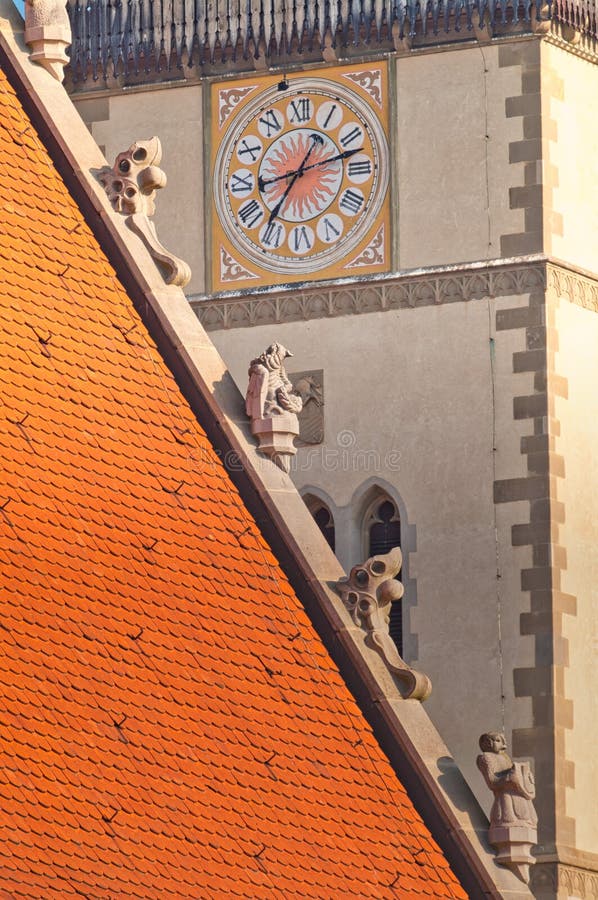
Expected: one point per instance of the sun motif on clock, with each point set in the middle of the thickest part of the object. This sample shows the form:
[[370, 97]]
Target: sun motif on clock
[[300, 179]]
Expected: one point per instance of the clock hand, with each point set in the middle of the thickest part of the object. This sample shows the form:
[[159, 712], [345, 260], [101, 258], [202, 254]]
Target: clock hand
[[316, 139], [344, 155], [261, 183]]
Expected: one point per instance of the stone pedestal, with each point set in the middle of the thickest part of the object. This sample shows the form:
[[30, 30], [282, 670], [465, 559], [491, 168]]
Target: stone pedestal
[[276, 435], [48, 47], [513, 844]]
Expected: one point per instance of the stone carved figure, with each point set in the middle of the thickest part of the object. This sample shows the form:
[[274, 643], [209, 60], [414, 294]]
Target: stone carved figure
[[131, 186], [513, 819], [272, 405], [48, 33], [270, 392], [367, 594]]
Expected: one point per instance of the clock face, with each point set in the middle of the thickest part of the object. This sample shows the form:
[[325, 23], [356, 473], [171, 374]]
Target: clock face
[[300, 178]]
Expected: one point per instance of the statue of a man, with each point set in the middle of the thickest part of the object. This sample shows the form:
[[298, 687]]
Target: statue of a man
[[270, 393], [511, 783], [513, 819]]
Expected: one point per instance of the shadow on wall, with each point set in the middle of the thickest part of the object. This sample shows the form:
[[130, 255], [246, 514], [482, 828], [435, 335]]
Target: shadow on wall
[[456, 788]]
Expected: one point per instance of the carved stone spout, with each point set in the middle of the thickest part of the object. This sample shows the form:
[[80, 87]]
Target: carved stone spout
[[513, 820], [131, 186], [272, 405], [368, 593]]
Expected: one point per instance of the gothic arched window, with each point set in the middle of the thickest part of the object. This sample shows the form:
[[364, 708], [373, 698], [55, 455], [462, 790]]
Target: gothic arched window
[[323, 518], [383, 533]]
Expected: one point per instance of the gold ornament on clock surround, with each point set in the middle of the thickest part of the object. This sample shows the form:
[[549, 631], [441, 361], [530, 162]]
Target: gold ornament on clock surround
[[299, 177]]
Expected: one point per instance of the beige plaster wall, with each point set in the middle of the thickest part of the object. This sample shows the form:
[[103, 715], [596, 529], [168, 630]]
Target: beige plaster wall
[[577, 360], [569, 116], [454, 172], [174, 114], [414, 401]]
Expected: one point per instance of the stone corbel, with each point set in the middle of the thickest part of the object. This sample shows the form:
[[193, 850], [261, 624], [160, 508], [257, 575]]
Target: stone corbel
[[48, 33], [131, 186], [276, 436], [368, 593]]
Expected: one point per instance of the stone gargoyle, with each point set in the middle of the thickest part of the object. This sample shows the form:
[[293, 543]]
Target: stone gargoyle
[[131, 186], [368, 593]]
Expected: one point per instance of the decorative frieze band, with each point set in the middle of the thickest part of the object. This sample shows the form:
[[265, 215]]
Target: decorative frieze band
[[367, 296], [573, 881], [578, 882], [582, 290], [399, 292]]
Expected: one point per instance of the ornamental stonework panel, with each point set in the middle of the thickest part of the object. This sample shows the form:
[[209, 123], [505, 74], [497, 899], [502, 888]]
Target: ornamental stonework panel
[[310, 386]]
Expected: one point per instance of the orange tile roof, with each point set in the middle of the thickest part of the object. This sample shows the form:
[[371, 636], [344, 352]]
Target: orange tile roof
[[170, 724]]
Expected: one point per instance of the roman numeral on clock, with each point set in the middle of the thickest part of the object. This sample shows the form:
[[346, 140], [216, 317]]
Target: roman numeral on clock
[[330, 115], [272, 235], [359, 167], [330, 230], [251, 150], [300, 110], [250, 213], [241, 184], [351, 201], [301, 239], [350, 137], [270, 123]]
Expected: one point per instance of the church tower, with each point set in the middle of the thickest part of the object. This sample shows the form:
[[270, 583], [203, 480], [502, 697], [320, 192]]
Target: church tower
[[407, 199]]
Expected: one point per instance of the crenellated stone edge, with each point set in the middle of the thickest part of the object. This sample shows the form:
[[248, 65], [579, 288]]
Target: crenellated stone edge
[[450, 284]]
